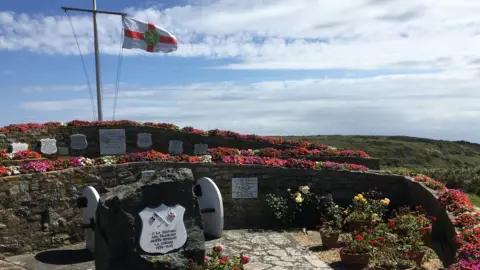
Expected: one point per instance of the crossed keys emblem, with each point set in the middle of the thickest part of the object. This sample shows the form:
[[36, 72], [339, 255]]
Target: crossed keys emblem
[[155, 216]]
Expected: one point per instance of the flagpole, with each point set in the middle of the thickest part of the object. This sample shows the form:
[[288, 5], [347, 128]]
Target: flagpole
[[97, 63], [97, 54]]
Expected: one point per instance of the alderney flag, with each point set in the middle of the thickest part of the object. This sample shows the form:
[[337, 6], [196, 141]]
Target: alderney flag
[[147, 36]]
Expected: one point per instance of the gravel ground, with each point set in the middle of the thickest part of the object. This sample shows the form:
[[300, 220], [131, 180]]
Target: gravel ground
[[313, 241]]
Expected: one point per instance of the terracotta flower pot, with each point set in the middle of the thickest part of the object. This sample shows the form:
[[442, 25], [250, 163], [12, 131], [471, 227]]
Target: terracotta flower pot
[[331, 240], [356, 225], [361, 259]]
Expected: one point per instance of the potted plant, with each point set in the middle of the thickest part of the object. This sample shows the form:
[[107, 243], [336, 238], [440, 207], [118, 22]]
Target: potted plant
[[412, 247], [356, 251], [331, 224], [389, 258], [365, 208]]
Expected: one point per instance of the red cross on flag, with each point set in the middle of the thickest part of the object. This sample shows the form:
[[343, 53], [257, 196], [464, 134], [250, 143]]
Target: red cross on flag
[[147, 36]]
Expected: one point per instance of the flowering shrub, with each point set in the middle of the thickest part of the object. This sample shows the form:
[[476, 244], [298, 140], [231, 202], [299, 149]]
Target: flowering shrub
[[26, 154], [357, 244], [367, 206], [429, 182], [217, 261], [306, 147], [455, 201]]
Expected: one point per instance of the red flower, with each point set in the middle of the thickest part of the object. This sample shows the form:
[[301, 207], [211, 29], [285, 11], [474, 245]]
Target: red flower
[[381, 239], [373, 242], [244, 259], [222, 261], [391, 224], [359, 237], [218, 249], [206, 259]]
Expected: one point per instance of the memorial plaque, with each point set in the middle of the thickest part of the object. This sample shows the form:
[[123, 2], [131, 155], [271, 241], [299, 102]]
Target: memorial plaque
[[63, 151], [78, 141], [163, 229], [175, 147], [244, 188], [112, 142], [146, 175], [200, 149], [48, 146], [17, 147], [144, 140]]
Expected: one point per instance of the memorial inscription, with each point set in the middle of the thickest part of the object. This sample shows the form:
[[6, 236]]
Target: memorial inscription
[[175, 147], [78, 141], [200, 149], [48, 146], [244, 188], [163, 229], [112, 142], [17, 147], [144, 140]]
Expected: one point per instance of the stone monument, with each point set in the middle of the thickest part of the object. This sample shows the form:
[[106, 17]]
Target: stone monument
[[154, 223]]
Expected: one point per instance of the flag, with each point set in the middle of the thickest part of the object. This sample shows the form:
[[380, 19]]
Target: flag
[[147, 36]]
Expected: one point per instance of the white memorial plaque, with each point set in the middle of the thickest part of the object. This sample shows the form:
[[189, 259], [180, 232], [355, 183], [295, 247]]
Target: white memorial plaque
[[175, 147], [200, 149], [163, 229], [17, 147], [48, 146], [144, 140], [78, 141], [112, 142], [244, 188]]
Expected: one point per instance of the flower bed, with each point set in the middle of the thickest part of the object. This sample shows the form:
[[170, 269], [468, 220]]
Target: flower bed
[[311, 147], [299, 152], [60, 164]]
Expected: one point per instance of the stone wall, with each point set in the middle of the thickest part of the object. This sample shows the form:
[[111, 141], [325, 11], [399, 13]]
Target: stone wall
[[160, 139], [39, 211]]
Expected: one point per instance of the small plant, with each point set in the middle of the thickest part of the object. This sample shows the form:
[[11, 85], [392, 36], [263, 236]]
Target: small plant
[[357, 244], [391, 259], [217, 261], [367, 206]]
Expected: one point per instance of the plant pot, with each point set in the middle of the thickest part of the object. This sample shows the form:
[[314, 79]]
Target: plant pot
[[356, 225], [355, 259], [417, 257], [331, 240]]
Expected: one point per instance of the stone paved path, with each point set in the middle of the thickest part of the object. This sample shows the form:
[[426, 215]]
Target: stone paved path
[[267, 251]]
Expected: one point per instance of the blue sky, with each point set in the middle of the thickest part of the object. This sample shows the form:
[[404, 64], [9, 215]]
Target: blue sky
[[267, 67]]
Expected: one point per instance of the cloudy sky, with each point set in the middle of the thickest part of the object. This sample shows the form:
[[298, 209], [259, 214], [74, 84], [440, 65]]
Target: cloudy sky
[[270, 67]]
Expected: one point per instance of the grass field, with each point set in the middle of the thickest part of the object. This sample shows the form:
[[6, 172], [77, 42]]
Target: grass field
[[454, 163]]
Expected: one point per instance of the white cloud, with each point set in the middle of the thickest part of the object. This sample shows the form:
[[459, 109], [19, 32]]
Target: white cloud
[[282, 34], [427, 105]]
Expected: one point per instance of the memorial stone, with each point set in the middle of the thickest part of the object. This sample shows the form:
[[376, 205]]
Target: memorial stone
[[48, 146], [112, 142], [243, 188], [200, 149], [175, 147], [17, 147], [78, 141], [144, 140], [63, 151], [154, 223]]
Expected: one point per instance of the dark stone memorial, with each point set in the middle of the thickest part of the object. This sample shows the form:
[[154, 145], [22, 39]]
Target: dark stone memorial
[[154, 223]]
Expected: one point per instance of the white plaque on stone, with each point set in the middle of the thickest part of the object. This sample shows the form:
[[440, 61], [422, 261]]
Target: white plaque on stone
[[175, 147], [200, 149], [48, 146], [144, 140], [17, 147], [163, 229], [244, 188], [78, 141], [112, 142]]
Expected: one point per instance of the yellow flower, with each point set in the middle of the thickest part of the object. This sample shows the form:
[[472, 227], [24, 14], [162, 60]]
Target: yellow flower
[[345, 212], [297, 194], [385, 202], [298, 199], [360, 196], [356, 198], [374, 215], [363, 200]]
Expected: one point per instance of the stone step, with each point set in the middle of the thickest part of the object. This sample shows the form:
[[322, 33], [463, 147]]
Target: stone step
[[9, 266]]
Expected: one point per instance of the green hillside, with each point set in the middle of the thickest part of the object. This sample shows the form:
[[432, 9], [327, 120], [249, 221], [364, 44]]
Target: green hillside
[[455, 163], [410, 152]]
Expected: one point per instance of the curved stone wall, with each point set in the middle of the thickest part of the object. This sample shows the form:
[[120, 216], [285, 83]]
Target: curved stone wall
[[39, 211], [160, 142]]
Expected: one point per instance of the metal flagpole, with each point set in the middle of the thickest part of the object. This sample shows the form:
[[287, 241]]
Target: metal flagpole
[[97, 63], [97, 54]]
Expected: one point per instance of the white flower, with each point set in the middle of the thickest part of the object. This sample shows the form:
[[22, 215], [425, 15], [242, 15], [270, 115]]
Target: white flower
[[206, 159]]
